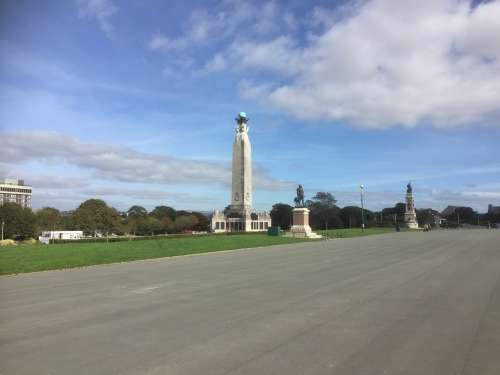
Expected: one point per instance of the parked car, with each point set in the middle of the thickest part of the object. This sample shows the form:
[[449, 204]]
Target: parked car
[[495, 225]]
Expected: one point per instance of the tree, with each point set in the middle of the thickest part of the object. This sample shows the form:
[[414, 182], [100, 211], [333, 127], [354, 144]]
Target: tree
[[426, 216], [151, 226], [193, 219], [181, 223], [199, 216], [159, 212], [94, 214], [168, 225], [49, 219], [400, 209], [137, 211], [19, 221], [389, 213], [201, 226], [466, 215], [109, 220], [281, 215], [226, 209], [133, 224], [86, 217], [323, 209], [85, 220], [350, 216], [94, 205]]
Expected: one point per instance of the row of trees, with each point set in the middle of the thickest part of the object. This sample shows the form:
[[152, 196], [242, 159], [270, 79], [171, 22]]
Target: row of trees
[[94, 216], [324, 214], [164, 219]]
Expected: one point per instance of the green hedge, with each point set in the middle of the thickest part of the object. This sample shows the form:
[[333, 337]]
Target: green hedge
[[241, 233], [144, 238]]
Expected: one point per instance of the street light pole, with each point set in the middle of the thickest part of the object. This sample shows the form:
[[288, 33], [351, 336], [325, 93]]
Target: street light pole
[[362, 215], [3, 222], [395, 216]]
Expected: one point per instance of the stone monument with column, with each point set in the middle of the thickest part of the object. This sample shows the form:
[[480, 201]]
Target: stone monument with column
[[241, 215], [300, 219], [410, 215]]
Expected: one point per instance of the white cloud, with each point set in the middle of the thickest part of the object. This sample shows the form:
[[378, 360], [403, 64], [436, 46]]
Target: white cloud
[[240, 18], [391, 62], [290, 20], [277, 55], [100, 9], [118, 163], [217, 64], [146, 194], [203, 28], [374, 64]]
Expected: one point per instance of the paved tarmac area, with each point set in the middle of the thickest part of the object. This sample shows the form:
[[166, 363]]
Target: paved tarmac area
[[401, 303]]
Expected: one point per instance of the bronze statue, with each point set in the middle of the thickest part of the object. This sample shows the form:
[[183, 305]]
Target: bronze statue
[[299, 199], [409, 188]]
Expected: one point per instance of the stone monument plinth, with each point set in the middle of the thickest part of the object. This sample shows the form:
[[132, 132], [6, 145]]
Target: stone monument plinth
[[300, 227], [410, 214]]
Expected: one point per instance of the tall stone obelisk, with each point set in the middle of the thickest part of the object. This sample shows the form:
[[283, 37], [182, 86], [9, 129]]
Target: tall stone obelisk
[[241, 200], [241, 216]]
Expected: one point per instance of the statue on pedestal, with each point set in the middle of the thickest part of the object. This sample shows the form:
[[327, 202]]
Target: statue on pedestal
[[299, 199], [409, 190]]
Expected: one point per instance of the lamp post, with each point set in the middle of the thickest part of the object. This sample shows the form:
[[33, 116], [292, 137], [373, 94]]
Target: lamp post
[[395, 216], [3, 222], [362, 215]]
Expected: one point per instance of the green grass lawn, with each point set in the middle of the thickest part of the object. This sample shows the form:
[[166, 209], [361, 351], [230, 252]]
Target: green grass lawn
[[33, 258]]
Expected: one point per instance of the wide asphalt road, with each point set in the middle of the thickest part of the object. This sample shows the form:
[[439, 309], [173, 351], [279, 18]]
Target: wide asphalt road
[[401, 303]]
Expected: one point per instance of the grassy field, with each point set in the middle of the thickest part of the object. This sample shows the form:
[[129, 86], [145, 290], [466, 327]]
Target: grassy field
[[34, 258]]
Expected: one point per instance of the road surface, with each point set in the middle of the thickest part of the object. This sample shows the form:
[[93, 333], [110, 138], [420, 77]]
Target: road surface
[[401, 303]]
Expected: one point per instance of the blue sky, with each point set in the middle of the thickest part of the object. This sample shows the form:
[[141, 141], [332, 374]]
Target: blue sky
[[133, 101]]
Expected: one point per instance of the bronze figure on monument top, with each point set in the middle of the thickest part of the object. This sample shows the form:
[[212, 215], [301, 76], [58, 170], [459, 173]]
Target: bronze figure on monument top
[[409, 188], [299, 199]]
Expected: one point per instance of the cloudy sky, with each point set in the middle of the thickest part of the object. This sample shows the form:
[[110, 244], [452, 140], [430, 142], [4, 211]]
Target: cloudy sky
[[133, 101]]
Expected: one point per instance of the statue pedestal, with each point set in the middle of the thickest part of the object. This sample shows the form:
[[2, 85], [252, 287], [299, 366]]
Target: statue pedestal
[[410, 214], [300, 227]]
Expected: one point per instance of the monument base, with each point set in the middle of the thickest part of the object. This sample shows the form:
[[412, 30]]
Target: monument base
[[300, 227], [247, 221], [411, 220], [413, 225], [410, 214]]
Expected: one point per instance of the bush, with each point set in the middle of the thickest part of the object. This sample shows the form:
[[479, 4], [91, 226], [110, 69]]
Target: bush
[[9, 243]]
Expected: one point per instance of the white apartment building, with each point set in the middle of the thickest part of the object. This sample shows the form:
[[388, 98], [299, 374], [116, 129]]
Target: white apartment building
[[15, 191]]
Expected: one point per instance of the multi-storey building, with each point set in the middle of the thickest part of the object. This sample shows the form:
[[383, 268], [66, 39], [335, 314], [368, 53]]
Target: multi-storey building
[[493, 209], [15, 191]]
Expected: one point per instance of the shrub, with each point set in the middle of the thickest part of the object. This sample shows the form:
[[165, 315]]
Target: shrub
[[9, 243]]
